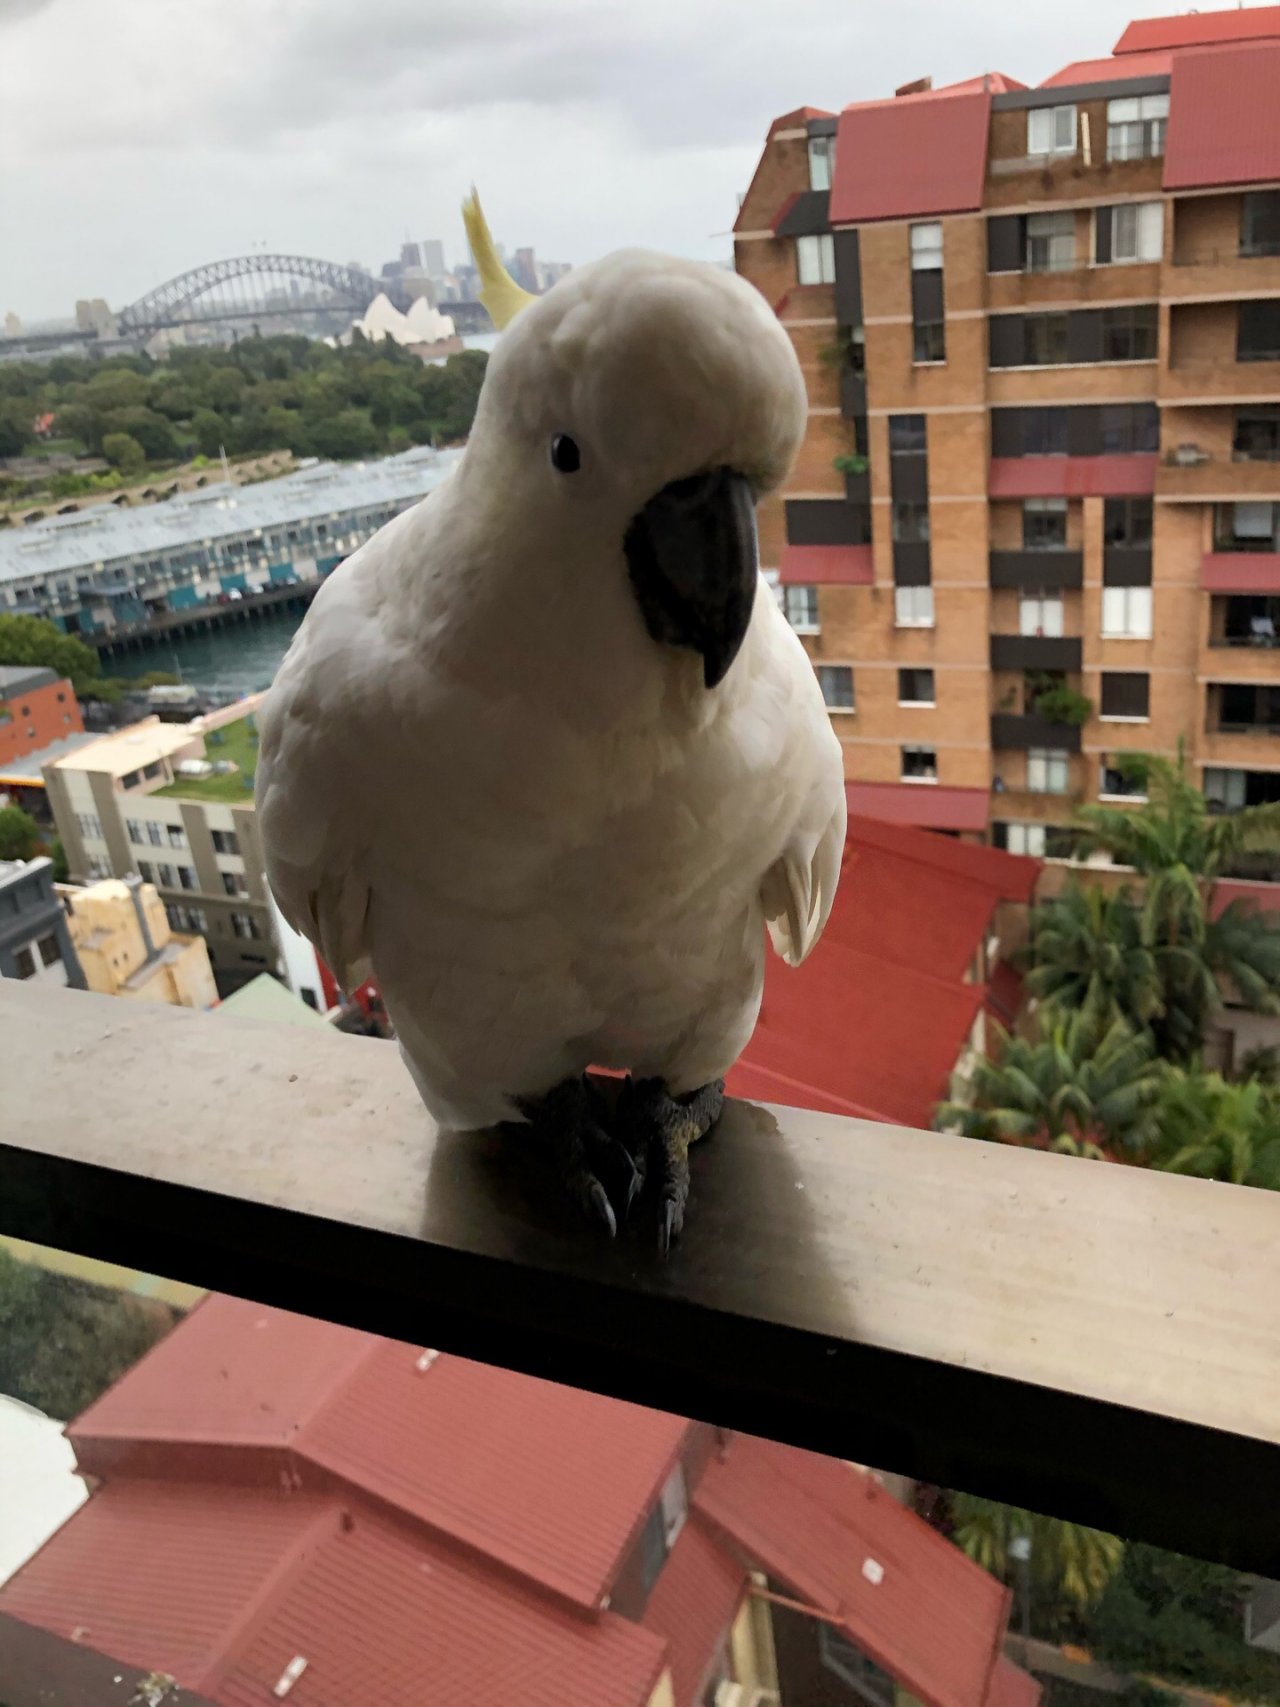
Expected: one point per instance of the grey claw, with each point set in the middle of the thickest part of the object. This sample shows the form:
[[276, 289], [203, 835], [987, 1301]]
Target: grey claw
[[668, 1227], [604, 1209]]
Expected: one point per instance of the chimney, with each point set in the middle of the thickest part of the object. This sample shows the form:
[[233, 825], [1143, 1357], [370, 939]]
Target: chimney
[[133, 883]]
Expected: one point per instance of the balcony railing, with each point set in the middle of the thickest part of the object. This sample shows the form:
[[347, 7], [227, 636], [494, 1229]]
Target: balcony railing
[[1098, 1342], [1036, 652], [1017, 732], [1222, 254]]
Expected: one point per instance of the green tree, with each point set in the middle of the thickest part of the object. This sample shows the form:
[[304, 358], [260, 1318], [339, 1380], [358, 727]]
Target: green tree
[[347, 434], [1086, 954], [1078, 1082], [12, 435], [151, 431], [1217, 1130], [79, 421], [33, 641], [124, 452], [1068, 1561], [116, 386], [19, 833], [58, 854], [63, 1342], [210, 430]]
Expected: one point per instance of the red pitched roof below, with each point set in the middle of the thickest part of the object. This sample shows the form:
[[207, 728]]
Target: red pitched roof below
[[1222, 115], [931, 807], [838, 1541], [694, 1602], [1240, 572], [826, 566], [1109, 70], [1072, 476], [911, 157], [1011, 1686], [1264, 896], [1198, 29]]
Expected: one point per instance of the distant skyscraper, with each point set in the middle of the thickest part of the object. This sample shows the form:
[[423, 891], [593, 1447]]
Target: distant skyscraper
[[524, 269], [433, 257], [410, 255]]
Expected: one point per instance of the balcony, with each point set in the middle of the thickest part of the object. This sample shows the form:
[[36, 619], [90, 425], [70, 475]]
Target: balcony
[[897, 1298], [1224, 270], [1244, 709], [1247, 628], [1219, 381], [1035, 652], [1035, 571], [1013, 731], [1190, 472]]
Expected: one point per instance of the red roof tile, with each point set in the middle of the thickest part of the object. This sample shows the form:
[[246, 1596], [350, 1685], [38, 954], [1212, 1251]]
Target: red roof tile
[[1198, 29], [1109, 70], [1072, 476], [911, 157], [694, 1602], [1240, 572], [930, 808], [1222, 115], [836, 1540], [826, 566]]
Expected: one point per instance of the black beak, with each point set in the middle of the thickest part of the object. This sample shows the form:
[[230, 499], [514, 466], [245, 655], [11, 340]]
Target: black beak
[[691, 553]]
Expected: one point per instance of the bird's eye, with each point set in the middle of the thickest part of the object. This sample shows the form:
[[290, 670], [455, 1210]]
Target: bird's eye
[[566, 458]]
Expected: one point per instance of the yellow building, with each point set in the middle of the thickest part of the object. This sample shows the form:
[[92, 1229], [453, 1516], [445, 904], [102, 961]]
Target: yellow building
[[127, 948]]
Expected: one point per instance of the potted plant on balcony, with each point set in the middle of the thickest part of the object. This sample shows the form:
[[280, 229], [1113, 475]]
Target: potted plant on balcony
[[1061, 704]]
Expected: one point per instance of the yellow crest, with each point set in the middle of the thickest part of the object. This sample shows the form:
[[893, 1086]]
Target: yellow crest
[[499, 292]]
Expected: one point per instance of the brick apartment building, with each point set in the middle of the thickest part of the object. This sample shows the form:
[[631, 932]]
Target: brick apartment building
[[1041, 333]]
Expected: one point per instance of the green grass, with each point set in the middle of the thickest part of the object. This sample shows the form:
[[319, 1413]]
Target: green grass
[[238, 744]]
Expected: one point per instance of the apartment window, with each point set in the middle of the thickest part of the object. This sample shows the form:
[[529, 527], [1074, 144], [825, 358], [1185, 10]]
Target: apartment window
[[165, 874], [225, 842], [245, 925], [176, 837], [186, 877], [89, 824], [913, 607], [146, 871], [919, 764], [1044, 340], [1127, 522], [1116, 781], [1044, 431], [1048, 770], [190, 919], [131, 780], [800, 606], [1129, 427], [50, 952], [1051, 242], [1137, 231], [929, 341], [1126, 613], [24, 961], [1051, 130], [1129, 334], [836, 682], [1025, 839], [673, 1502], [926, 246], [1224, 789], [816, 259], [1044, 524], [99, 865], [1260, 222], [1258, 331], [1252, 526], [133, 829], [822, 161], [915, 687], [155, 835], [911, 523], [1257, 437], [906, 434], [153, 771], [1126, 693], [1136, 127], [1040, 614], [232, 882]]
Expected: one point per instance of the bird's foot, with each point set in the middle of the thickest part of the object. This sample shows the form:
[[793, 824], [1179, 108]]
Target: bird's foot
[[657, 1130], [595, 1169]]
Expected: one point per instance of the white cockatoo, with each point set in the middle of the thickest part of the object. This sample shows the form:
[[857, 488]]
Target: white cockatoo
[[545, 757]]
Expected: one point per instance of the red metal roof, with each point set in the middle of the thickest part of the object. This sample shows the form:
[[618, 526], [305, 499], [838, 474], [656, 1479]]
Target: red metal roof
[[694, 1602], [826, 566], [1011, 1686], [1198, 29], [929, 807], [836, 1540], [911, 157], [1109, 70], [1240, 572], [1072, 476], [1222, 114], [872, 1025]]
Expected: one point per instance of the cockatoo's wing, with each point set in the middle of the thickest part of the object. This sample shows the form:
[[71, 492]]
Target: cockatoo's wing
[[799, 888]]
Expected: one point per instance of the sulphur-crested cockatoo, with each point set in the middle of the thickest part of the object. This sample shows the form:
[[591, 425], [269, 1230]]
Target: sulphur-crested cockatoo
[[545, 758]]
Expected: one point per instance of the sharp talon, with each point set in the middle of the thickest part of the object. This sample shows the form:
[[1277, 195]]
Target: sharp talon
[[604, 1209], [667, 1228]]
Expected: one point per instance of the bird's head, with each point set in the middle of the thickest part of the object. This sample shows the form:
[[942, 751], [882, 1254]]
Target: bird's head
[[639, 410]]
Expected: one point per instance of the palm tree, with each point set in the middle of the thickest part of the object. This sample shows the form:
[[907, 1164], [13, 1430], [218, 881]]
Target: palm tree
[[1091, 1085], [1066, 1558], [1217, 1130], [1087, 955]]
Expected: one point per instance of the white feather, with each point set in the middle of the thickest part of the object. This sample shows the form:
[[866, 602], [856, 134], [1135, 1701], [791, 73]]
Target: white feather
[[481, 778]]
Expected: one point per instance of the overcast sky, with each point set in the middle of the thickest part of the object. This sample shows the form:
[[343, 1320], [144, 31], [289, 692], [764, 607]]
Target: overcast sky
[[142, 137]]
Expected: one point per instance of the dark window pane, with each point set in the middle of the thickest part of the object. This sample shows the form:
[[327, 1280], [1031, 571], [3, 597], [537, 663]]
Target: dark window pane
[[1258, 338], [1127, 521], [49, 950], [1257, 437], [1129, 334], [1260, 222], [930, 342], [25, 963], [910, 523], [1044, 339], [906, 433], [915, 687], [1125, 693]]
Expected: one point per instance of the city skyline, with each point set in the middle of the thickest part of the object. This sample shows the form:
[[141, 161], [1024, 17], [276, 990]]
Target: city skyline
[[589, 132]]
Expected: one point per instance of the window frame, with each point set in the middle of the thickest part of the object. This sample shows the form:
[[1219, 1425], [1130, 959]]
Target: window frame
[[925, 256], [1134, 324], [1046, 510], [823, 149], [1112, 678], [920, 749], [1137, 126], [1050, 624], [1057, 146], [1048, 770], [1125, 599], [909, 670], [826, 673], [816, 255], [1049, 250], [805, 594], [1048, 332], [926, 594]]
